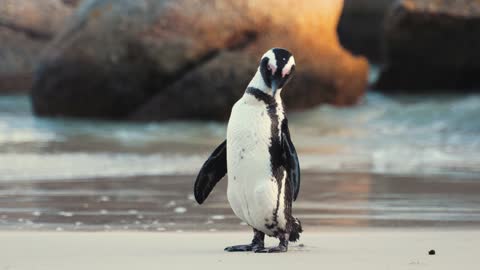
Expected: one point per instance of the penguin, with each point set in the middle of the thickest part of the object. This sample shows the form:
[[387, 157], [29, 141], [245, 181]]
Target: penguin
[[260, 158]]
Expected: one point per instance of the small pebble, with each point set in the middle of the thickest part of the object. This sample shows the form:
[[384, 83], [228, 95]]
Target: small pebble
[[431, 252]]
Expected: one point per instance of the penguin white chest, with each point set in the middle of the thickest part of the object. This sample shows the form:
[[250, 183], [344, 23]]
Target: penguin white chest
[[252, 190]]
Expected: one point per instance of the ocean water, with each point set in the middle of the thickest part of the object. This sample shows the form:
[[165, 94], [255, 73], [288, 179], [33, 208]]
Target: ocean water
[[401, 135], [390, 161]]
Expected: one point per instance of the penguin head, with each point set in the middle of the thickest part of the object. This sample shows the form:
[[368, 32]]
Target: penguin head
[[277, 67]]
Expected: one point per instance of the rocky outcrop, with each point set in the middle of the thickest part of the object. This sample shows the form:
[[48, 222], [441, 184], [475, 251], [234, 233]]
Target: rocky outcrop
[[361, 27], [173, 59], [26, 26], [432, 46]]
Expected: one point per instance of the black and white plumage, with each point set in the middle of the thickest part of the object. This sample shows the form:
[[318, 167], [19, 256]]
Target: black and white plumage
[[261, 160]]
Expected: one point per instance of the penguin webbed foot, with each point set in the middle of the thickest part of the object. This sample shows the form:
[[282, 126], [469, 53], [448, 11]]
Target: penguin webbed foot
[[282, 247], [277, 249], [244, 248], [257, 243]]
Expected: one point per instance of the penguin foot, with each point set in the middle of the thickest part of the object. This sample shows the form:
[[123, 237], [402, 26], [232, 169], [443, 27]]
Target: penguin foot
[[278, 249], [257, 243], [282, 247], [244, 248]]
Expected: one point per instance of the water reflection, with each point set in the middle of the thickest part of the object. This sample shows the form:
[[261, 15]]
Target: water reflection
[[165, 204]]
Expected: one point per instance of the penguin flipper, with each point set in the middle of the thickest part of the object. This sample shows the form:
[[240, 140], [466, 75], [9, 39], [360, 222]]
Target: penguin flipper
[[212, 171], [291, 162]]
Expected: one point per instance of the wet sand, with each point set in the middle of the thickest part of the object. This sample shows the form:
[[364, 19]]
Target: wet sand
[[352, 249], [165, 203]]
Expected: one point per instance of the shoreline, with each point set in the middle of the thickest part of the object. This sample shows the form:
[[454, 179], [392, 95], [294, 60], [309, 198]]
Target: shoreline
[[351, 249], [166, 203]]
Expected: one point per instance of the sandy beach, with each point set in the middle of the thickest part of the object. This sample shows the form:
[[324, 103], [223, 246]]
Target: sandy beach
[[344, 249]]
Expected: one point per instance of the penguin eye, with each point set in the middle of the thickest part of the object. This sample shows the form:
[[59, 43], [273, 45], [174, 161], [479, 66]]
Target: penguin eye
[[269, 68]]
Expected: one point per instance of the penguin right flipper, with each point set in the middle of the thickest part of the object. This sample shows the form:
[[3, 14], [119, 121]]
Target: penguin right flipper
[[212, 171]]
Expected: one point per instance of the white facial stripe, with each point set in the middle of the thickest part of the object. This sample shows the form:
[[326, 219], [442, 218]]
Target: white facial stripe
[[288, 67], [272, 61]]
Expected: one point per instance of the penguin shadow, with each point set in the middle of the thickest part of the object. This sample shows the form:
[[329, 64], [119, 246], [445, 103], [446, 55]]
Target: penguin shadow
[[293, 248], [300, 247]]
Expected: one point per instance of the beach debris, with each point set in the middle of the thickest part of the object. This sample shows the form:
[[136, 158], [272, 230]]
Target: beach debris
[[431, 252]]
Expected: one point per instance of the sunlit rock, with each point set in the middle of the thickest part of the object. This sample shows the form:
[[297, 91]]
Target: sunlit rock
[[178, 59], [26, 26]]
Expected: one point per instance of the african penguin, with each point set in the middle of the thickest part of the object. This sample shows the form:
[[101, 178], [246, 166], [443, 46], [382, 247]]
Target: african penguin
[[261, 160]]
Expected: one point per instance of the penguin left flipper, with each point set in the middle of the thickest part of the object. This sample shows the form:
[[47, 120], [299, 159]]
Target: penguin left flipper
[[291, 162], [212, 171]]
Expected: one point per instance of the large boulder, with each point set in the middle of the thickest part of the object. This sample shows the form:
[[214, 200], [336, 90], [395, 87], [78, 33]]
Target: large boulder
[[432, 45], [26, 26], [173, 59], [361, 27]]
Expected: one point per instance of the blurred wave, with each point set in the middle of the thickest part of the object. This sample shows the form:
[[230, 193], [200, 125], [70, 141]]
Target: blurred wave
[[401, 135], [419, 135]]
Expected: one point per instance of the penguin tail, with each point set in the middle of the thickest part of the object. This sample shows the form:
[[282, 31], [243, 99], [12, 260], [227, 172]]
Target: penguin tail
[[296, 230]]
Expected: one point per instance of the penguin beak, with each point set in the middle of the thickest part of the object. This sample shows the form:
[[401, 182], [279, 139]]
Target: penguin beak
[[274, 87]]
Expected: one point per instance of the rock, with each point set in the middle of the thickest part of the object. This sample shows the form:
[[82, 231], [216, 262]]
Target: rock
[[432, 46], [72, 3], [182, 59], [361, 27], [26, 26]]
